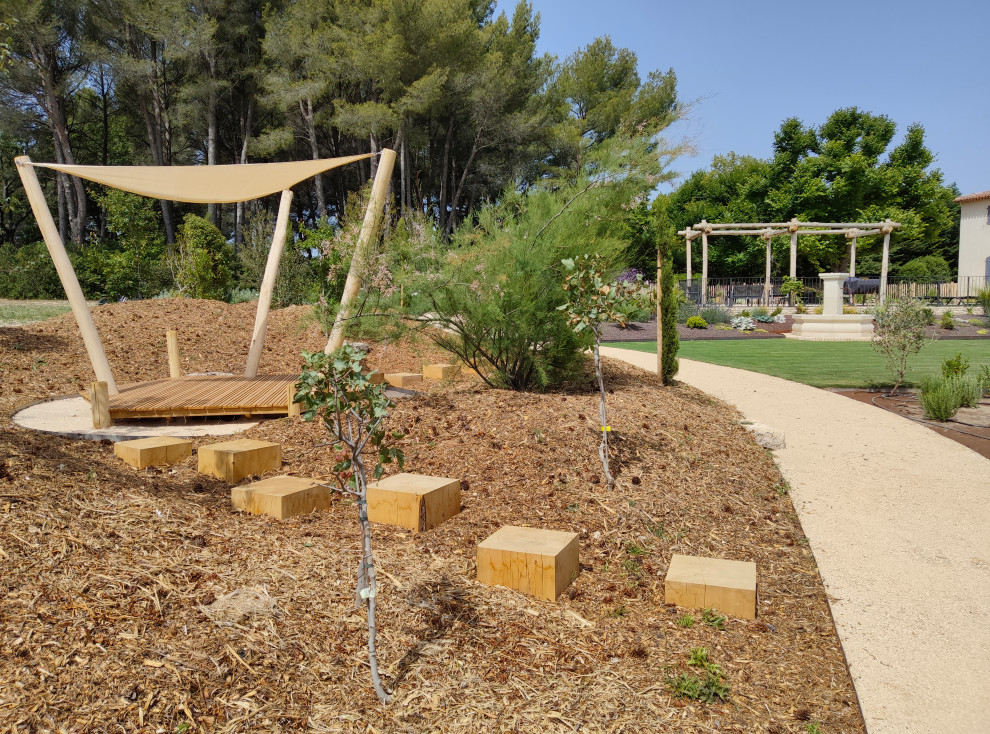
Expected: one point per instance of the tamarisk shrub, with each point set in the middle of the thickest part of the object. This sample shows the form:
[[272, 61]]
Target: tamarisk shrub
[[336, 389], [592, 302]]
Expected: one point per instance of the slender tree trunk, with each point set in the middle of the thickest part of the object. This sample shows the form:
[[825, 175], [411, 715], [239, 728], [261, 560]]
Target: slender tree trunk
[[211, 137], [155, 124], [442, 212], [75, 194], [240, 210], [460, 186], [603, 446], [366, 578], [401, 145], [373, 162], [314, 150], [63, 214]]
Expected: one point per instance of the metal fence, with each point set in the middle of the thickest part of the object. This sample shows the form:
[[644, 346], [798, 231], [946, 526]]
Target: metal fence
[[754, 291]]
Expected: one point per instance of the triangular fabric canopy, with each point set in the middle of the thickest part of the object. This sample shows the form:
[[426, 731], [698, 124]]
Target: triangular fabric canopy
[[206, 184]]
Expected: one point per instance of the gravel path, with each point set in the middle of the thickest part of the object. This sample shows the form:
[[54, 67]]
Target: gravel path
[[898, 519]]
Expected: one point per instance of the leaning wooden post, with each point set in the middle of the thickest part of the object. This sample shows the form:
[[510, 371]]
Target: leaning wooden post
[[885, 263], [99, 404], [172, 344], [268, 285], [66, 274], [372, 218], [704, 262]]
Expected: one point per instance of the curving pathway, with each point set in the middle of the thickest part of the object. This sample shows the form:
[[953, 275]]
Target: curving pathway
[[898, 518]]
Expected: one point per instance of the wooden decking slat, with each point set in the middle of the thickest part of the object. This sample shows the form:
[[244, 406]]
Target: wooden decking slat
[[187, 396]]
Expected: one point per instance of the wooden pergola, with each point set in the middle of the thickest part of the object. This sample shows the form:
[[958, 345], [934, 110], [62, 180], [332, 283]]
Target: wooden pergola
[[768, 230]]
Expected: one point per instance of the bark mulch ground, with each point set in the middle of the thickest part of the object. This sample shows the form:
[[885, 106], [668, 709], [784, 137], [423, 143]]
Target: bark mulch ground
[[138, 601]]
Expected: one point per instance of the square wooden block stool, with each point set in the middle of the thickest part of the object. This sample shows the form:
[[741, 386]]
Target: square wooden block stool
[[280, 497], [535, 561], [157, 451], [234, 460], [441, 371], [729, 586], [414, 501], [403, 379]]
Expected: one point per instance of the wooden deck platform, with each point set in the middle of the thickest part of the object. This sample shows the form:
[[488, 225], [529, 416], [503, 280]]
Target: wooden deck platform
[[204, 396]]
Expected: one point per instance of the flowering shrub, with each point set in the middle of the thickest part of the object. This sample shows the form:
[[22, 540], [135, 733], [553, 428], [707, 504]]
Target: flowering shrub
[[743, 323]]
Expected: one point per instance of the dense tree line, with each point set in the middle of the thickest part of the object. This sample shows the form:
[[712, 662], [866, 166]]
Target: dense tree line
[[844, 170], [458, 91]]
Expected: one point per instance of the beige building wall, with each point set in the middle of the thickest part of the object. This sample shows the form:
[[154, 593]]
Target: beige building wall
[[974, 238]]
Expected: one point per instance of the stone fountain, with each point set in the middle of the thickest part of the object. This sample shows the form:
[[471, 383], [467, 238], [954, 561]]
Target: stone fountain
[[832, 325]]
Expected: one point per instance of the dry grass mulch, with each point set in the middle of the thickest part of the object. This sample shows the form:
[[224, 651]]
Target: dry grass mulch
[[138, 601]]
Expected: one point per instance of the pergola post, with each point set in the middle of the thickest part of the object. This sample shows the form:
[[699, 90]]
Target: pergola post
[[766, 284], [852, 235], [660, 314], [793, 228], [687, 250], [372, 218], [704, 261], [268, 285], [66, 274], [886, 229]]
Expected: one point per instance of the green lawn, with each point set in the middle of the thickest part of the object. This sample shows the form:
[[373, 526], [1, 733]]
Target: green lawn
[[822, 364], [26, 312]]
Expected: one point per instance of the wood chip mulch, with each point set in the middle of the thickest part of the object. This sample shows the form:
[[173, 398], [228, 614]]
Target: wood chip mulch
[[138, 601]]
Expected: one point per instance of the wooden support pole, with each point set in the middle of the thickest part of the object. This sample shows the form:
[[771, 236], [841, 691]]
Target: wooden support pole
[[172, 344], [885, 263], [268, 285], [99, 404], [704, 268], [766, 284], [794, 237], [687, 250], [372, 218], [659, 316], [66, 274], [294, 407]]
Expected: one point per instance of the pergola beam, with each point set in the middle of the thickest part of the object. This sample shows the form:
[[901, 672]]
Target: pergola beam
[[769, 230], [764, 225]]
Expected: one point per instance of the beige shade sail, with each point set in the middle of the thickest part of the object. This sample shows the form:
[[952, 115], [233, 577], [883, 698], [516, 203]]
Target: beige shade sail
[[205, 184]]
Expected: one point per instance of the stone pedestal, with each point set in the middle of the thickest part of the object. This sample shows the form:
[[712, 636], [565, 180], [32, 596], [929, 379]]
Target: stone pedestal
[[832, 324]]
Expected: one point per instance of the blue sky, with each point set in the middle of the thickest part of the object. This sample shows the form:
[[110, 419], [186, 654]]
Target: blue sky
[[750, 65]]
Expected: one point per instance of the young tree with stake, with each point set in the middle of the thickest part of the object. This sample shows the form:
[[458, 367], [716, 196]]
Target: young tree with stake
[[337, 389], [593, 302]]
